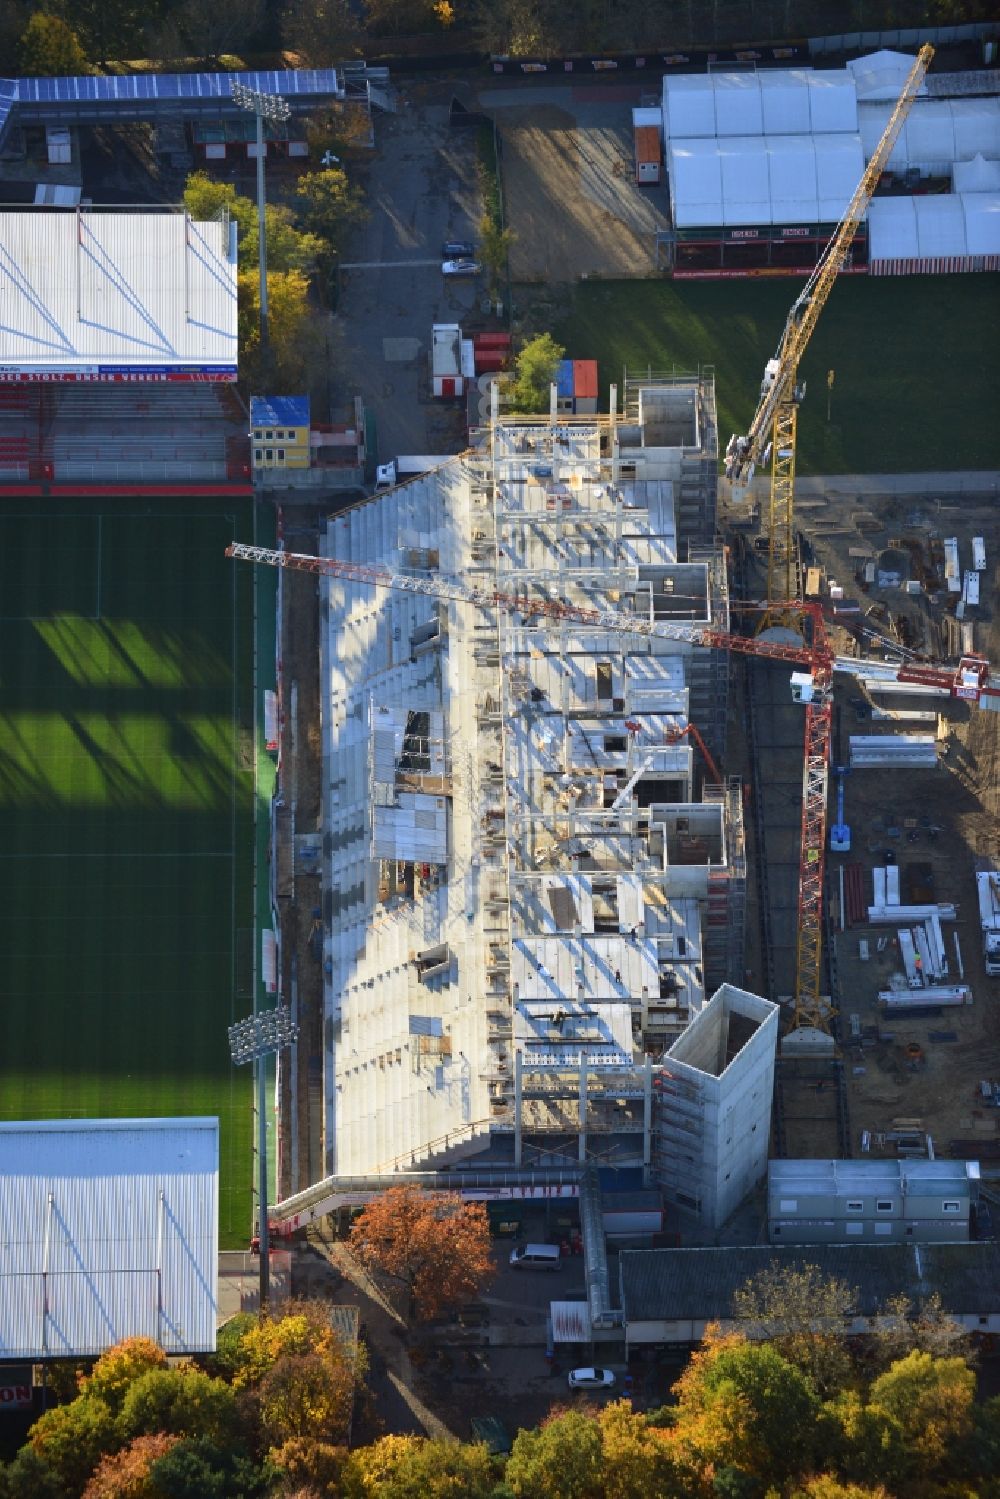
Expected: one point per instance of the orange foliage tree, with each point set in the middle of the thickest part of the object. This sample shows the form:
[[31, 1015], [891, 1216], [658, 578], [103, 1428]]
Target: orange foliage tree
[[126, 1474], [434, 1245]]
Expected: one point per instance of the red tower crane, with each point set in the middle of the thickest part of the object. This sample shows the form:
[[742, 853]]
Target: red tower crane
[[811, 686]]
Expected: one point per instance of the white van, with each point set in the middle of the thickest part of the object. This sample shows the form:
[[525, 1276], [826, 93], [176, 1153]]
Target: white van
[[536, 1257]]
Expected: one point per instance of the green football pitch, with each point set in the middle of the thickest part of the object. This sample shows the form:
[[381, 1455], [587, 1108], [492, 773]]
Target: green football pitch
[[127, 792]]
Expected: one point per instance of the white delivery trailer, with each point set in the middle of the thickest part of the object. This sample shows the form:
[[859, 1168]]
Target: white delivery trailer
[[988, 889], [408, 466]]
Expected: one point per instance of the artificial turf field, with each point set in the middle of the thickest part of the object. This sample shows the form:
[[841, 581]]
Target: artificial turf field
[[916, 360], [127, 792]]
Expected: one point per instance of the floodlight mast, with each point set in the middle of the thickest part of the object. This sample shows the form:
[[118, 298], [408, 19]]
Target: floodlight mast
[[254, 1039], [265, 107]]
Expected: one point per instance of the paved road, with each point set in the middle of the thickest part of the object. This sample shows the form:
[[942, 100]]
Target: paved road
[[933, 485], [422, 191]]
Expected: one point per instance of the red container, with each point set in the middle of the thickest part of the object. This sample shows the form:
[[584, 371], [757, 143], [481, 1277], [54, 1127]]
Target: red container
[[490, 360], [491, 340]]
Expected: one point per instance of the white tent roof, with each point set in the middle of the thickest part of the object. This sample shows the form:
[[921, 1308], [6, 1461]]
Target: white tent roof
[[936, 132], [881, 75], [695, 182], [781, 179], [110, 1231], [782, 102], [952, 224], [976, 176], [982, 222], [746, 188]]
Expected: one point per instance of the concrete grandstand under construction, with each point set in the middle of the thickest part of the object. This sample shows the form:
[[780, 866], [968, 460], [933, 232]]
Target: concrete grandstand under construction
[[531, 885]]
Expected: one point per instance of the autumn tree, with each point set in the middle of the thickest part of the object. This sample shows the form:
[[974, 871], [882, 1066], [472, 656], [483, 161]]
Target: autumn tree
[[931, 1399], [826, 1486], [213, 30], [293, 335], [49, 48], [800, 1311], [183, 1402], [638, 1458], [435, 1246], [903, 1326], [329, 207], [198, 1469], [399, 17], [400, 1467], [321, 32], [303, 1327], [126, 1474], [535, 368], [743, 1405], [866, 1443], [71, 1440], [119, 1368], [562, 1459], [305, 1394], [494, 249], [311, 1465]]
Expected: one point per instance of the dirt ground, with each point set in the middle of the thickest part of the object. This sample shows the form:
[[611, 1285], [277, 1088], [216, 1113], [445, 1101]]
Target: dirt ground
[[570, 193], [961, 797]]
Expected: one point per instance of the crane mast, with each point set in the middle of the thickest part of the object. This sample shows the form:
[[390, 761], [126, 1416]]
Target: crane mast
[[970, 680], [773, 430]]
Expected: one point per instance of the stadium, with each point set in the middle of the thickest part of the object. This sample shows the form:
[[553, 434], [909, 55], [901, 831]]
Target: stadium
[[131, 713]]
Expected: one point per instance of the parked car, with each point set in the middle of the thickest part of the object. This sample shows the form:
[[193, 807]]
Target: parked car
[[460, 268], [458, 249], [591, 1379]]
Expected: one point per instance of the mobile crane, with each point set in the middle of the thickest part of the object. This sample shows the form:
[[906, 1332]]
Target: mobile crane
[[772, 432], [811, 685]]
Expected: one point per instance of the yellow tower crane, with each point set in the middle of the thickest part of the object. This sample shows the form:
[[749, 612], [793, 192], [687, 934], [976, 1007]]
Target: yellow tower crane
[[772, 432]]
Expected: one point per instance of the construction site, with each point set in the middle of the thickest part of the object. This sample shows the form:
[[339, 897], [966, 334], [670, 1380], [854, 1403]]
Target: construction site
[[635, 820]]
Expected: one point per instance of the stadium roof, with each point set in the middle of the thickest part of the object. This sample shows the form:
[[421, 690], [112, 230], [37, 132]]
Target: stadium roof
[[108, 1230], [147, 95], [106, 295]]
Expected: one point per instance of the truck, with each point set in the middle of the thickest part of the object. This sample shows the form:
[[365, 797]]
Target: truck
[[988, 889], [408, 466]]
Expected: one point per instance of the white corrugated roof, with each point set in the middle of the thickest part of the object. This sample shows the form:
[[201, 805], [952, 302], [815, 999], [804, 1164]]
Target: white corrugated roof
[[100, 291], [976, 176], [982, 223], [881, 75], [108, 1230]]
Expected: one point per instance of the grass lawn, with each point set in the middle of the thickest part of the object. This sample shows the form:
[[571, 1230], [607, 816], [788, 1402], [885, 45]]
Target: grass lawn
[[126, 789], [917, 360]]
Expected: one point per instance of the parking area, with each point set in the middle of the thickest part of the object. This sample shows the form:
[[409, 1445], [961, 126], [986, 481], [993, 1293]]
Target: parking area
[[422, 191], [570, 191]]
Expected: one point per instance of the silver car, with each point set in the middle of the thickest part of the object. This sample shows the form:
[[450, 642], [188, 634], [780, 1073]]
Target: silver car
[[460, 268], [591, 1379]]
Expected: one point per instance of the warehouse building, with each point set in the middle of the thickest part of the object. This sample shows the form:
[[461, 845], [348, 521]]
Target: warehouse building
[[669, 1296], [761, 167], [532, 883], [110, 1232]]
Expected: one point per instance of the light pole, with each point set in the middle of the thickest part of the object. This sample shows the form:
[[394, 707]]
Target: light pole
[[254, 1040], [265, 107]]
